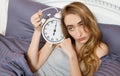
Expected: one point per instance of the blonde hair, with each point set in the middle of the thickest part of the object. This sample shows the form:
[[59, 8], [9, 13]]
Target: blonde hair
[[87, 57]]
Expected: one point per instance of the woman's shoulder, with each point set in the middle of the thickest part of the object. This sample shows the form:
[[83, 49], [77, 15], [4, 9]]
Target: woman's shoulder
[[102, 50]]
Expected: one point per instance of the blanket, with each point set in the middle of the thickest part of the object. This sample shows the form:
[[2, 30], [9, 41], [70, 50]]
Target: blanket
[[12, 57]]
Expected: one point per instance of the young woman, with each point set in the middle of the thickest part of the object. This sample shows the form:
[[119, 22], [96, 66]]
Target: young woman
[[78, 55]]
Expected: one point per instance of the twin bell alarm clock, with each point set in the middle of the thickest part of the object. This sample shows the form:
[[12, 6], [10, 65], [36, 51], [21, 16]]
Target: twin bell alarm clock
[[51, 29]]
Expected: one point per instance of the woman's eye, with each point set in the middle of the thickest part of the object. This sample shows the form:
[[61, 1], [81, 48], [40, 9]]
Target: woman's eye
[[70, 28], [81, 24]]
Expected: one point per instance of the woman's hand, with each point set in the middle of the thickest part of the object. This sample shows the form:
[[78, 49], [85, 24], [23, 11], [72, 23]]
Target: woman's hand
[[67, 47], [37, 21]]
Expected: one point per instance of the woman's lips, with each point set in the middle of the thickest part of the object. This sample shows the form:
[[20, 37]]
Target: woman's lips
[[81, 39]]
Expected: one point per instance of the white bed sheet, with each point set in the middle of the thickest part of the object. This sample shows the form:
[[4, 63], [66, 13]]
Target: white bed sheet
[[3, 15]]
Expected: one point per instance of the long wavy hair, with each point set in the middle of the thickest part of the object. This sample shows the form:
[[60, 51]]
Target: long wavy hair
[[87, 57]]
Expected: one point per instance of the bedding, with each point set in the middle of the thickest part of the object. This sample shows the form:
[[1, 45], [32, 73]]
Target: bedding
[[110, 66], [111, 36], [12, 58], [14, 45]]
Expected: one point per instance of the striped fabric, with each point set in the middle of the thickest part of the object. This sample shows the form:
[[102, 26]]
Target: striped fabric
[[12, 58], [110, 66]]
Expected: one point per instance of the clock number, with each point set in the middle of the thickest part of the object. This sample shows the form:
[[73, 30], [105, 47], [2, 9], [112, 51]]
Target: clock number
[[52, 39], [56, 39], [48, 37]]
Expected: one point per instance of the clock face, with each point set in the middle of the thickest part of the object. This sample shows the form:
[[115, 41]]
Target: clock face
[[52, 31]]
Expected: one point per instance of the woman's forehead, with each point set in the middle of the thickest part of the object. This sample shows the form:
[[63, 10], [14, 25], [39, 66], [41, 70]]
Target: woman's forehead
[[72, 19]]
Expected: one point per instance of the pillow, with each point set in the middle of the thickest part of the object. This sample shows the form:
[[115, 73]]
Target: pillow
[[19, 14], [111, 35]]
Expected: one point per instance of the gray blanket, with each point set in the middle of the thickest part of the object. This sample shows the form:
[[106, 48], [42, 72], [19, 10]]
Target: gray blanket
[[12, 57]]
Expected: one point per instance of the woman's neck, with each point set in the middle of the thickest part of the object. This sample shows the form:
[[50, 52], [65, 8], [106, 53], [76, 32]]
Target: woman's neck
[[78, 46]]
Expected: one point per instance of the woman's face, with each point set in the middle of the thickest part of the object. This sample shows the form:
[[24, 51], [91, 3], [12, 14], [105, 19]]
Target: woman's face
[[76, 29]]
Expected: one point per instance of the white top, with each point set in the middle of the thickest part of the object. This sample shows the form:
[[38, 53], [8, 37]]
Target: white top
[[56, 65]]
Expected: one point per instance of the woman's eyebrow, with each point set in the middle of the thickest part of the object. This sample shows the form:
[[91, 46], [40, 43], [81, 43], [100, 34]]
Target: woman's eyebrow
[[69, 25], [79, 22]]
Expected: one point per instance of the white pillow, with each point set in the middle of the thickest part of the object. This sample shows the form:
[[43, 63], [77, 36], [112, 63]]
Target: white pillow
[[3, 15]]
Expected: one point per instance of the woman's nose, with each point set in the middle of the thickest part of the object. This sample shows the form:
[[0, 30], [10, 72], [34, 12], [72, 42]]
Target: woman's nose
[[78, 32]]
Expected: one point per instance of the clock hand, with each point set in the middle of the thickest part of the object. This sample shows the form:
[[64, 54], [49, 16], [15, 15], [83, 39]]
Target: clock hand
[[55, 28], [54, 32]]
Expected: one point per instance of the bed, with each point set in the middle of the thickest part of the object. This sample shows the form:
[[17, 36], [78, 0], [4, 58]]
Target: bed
[[15, 42]]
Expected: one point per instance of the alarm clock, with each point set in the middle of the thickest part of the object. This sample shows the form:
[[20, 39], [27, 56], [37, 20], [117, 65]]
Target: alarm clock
[[52, 31]]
